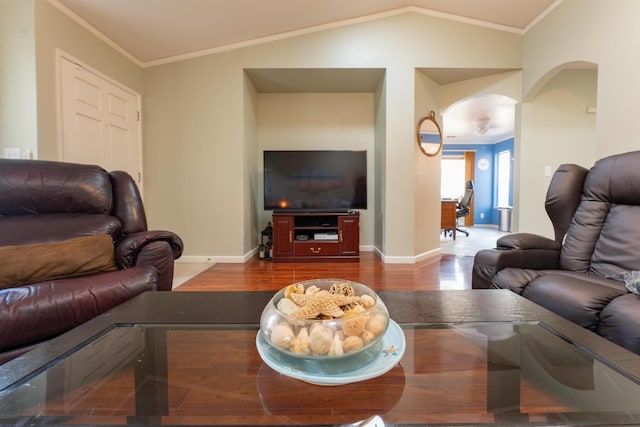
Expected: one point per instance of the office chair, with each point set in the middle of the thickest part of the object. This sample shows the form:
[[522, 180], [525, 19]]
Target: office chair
[[464, 205]]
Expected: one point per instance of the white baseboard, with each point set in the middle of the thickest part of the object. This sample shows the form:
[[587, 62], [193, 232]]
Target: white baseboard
[[435, 253], [211, 259], [432, 254]]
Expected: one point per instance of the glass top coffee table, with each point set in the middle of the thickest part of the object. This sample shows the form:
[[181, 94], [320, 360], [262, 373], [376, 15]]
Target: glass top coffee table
[[186, 358]]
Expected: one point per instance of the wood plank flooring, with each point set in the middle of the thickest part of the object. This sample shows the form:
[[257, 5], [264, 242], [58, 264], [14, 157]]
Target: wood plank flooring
[[449, 272]]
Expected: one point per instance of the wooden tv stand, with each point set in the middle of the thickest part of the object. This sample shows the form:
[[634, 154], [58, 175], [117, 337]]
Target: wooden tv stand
[[316, 236]]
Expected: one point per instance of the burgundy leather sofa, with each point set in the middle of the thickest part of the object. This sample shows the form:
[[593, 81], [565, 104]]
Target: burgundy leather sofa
[[47, 206], [583, 273]]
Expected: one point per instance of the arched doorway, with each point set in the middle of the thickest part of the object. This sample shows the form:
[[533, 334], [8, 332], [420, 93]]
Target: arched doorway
[[558, 125], [479, 145]]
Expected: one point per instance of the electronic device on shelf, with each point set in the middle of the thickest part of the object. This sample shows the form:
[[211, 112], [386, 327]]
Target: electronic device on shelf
[[325, 236], [315, 180]]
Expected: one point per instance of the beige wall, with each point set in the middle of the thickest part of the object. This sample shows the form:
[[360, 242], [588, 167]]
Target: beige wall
[[380, 156], [602, 32], [559, 130], [507, 84], [252, 188], [427, 174], [319, 121], [194, 122], [55, 30], [18, 117], [193, 133]]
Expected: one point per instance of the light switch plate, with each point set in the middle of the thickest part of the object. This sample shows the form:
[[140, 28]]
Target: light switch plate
[[547, 170], [12, 153]]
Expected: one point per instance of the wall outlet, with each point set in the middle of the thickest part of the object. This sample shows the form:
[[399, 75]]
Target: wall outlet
[[12, 153], [481, 215]]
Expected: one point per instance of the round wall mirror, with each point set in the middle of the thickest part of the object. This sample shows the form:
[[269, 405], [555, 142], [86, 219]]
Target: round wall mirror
[[429, 135]]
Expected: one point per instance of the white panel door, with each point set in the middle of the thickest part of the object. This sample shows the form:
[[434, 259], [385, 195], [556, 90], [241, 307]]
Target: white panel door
[[100, 121]]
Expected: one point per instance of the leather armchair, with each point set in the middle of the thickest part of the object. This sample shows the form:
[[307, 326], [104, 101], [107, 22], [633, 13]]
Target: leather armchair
[[46, 202], [595, 215]]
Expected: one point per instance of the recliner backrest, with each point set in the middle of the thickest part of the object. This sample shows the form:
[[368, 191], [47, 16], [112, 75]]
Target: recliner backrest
[[44, 200], [44, 187], [603, 237], [465, 202], [563, 196]]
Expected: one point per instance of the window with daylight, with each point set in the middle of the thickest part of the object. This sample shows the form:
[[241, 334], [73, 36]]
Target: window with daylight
[[452, 180]]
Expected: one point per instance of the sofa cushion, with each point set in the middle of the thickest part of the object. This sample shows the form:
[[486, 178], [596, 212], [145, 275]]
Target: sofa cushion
[[575, 296], [40, 311], [620, 322], [514, 279], [23, 264], [43, 228]]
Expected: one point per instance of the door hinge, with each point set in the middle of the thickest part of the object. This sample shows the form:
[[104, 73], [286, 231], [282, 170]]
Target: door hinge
[[138, 115], [139, 178]]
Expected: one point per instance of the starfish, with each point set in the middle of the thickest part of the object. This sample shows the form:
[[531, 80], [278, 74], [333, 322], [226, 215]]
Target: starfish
[[393, 350], [323, 302]]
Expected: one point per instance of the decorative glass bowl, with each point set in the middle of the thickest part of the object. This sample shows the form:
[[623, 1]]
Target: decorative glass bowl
[[324, 319]]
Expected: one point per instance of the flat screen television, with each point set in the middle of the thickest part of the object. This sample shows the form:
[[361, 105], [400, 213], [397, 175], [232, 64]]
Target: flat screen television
[[315, 179]]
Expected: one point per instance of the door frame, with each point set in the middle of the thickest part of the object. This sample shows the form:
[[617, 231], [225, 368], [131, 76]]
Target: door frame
[[469, 174], [62, 55]]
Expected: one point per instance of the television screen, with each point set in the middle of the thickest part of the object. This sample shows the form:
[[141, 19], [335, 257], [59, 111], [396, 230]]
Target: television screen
[[326, 179]]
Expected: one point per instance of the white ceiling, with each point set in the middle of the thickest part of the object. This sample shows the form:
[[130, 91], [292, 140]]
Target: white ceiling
[[157, 31]]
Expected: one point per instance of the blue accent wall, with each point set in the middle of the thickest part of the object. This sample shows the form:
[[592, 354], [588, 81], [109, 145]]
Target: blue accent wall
[[485, 192]]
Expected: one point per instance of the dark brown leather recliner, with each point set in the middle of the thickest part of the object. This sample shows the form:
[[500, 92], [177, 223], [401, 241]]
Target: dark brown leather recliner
[[580, 274], [46, 202]]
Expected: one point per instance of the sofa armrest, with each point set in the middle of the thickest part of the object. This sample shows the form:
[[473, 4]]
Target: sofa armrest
[[156, 248], [488, 262], [127, 203], [526, 241]]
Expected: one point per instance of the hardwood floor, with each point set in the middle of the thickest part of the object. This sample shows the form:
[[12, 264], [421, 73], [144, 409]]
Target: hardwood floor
[[449, 272], [453, 271]]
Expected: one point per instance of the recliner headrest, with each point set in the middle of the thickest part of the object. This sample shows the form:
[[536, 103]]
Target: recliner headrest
[[40, 186]]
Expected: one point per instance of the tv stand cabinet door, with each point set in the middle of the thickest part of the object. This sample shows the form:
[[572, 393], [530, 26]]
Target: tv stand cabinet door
[[282, 236], [349, 235]]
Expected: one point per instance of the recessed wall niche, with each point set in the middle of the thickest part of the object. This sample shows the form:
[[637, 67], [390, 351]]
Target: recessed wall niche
[[315, 109]]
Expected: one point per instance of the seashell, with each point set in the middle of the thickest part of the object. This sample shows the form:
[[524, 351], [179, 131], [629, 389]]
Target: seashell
[[293, 289], [336, 346], [301, 342], [340, 288], [320, 338], [282, 335], [352, 344], [377, 324], [354, 311], [367, 336], [367, 301], [312, 290], [321, 302], [286, 306], [353, 326]]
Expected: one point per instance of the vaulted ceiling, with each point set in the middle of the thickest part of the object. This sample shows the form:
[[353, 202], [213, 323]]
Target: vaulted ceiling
[[155, 31]]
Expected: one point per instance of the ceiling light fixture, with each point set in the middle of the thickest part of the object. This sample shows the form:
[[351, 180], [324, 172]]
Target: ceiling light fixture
[[482, 125]]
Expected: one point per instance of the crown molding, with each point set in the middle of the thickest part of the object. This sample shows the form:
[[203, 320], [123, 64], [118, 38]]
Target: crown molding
[[289, 34], [544, 13], [93, 30], [330, 26]]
